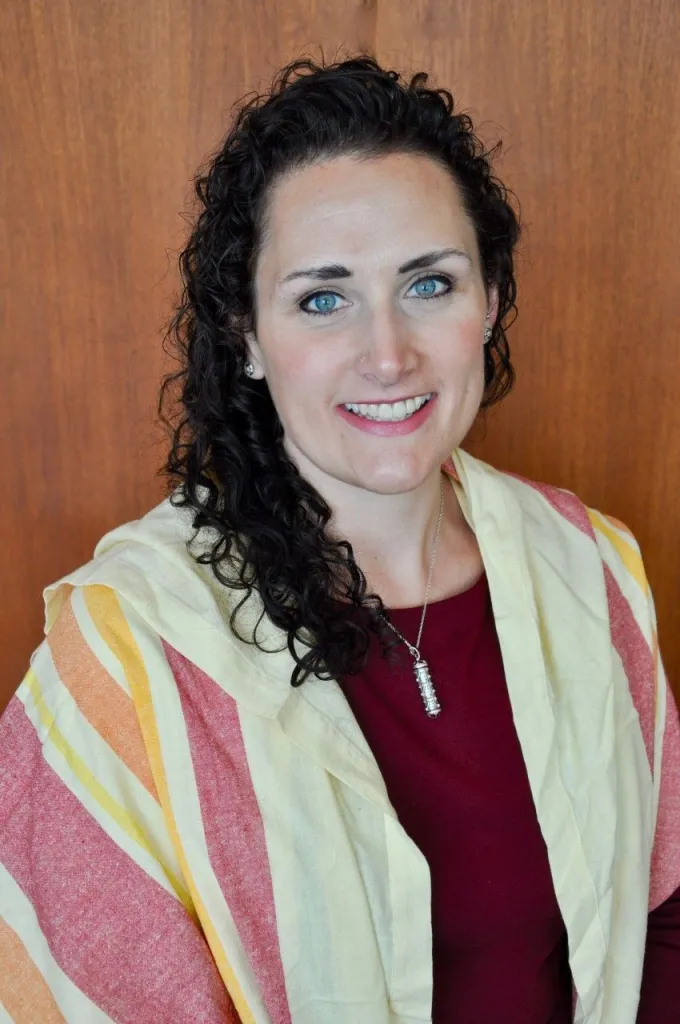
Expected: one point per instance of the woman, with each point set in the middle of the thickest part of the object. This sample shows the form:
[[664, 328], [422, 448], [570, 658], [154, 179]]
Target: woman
[[355, 728]]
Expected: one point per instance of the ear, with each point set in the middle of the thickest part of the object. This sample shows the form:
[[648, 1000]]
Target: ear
[[254, 354]]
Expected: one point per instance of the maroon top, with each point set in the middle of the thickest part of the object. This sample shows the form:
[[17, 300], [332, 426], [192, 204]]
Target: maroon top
[[460, 788]]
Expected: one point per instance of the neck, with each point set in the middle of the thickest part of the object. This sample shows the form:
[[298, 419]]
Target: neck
[[392, 537]]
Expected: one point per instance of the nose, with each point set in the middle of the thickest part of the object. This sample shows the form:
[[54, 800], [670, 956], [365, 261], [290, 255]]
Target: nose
[[388, 353]]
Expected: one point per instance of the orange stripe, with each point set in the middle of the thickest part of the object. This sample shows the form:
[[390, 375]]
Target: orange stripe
[[107, 708], [116, 630], [618, 524], [23, 990]]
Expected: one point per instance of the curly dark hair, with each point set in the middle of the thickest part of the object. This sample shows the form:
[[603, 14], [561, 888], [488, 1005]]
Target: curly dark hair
[[265, 523]]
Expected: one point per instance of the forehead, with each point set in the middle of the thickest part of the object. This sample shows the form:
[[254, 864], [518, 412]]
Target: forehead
[[376, 208]]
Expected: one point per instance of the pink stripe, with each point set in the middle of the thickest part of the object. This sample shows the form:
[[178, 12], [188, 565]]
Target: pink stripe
[[638, 663], [567, 504], [233, 825], [637, 658], [125, 942], [666, 852]]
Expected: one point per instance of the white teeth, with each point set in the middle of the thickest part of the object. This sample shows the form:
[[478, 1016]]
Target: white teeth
[[389, 412]]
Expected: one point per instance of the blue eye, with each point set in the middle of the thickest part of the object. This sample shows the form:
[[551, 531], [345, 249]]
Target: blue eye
[[426, 287], [325, 303]]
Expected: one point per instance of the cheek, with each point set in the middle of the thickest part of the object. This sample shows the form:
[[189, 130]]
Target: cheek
[[311, 369], [460, 348], [299, 378], [470, 337], [466, 361]]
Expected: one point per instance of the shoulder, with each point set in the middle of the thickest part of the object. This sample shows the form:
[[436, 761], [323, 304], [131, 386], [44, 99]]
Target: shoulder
[[79, 733], [563, 512], [576, 530], [581, 539], [561, 528], [85, 684], [153, 608]]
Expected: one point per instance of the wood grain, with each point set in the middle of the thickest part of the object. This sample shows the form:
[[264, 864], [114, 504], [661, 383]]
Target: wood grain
[[586, 98], [106, 110]]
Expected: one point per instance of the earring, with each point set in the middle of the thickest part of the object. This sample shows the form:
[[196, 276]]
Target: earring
[[249, 369], [488, 332]]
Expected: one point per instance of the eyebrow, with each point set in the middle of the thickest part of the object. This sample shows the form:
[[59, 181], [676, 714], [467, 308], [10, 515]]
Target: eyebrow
[[333, 271]]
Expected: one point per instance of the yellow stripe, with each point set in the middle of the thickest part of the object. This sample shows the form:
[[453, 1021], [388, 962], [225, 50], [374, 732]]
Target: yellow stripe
[[116, 632], [626, 552], [116, 811]]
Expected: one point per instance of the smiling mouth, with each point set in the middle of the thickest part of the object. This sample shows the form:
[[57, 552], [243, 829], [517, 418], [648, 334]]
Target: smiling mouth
[[389, 412]]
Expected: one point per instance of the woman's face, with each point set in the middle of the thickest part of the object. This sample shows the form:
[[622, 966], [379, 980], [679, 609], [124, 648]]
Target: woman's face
[[369, 292]]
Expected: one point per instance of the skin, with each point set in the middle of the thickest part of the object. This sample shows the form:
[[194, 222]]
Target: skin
[[382, 340]]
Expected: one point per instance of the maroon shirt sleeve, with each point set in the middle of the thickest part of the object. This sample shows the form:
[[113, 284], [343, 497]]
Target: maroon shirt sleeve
[[660, 994]]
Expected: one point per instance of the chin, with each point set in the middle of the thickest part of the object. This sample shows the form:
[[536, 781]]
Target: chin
[[396, 481]]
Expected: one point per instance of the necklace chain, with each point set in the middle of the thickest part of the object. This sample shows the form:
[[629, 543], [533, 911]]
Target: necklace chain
[[415, 651]]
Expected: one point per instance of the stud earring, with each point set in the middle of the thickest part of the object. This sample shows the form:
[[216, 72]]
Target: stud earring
[[249, 369]]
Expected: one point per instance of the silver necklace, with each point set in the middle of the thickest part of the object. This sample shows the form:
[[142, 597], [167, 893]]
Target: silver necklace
[[420, 667]]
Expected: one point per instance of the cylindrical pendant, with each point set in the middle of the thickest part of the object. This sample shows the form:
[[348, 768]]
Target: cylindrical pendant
[[426, 687]]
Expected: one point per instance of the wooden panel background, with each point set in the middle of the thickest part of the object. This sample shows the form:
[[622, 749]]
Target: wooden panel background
[[107, 110]]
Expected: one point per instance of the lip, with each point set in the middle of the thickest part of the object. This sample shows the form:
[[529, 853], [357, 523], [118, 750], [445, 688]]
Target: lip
[[388, 429]]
